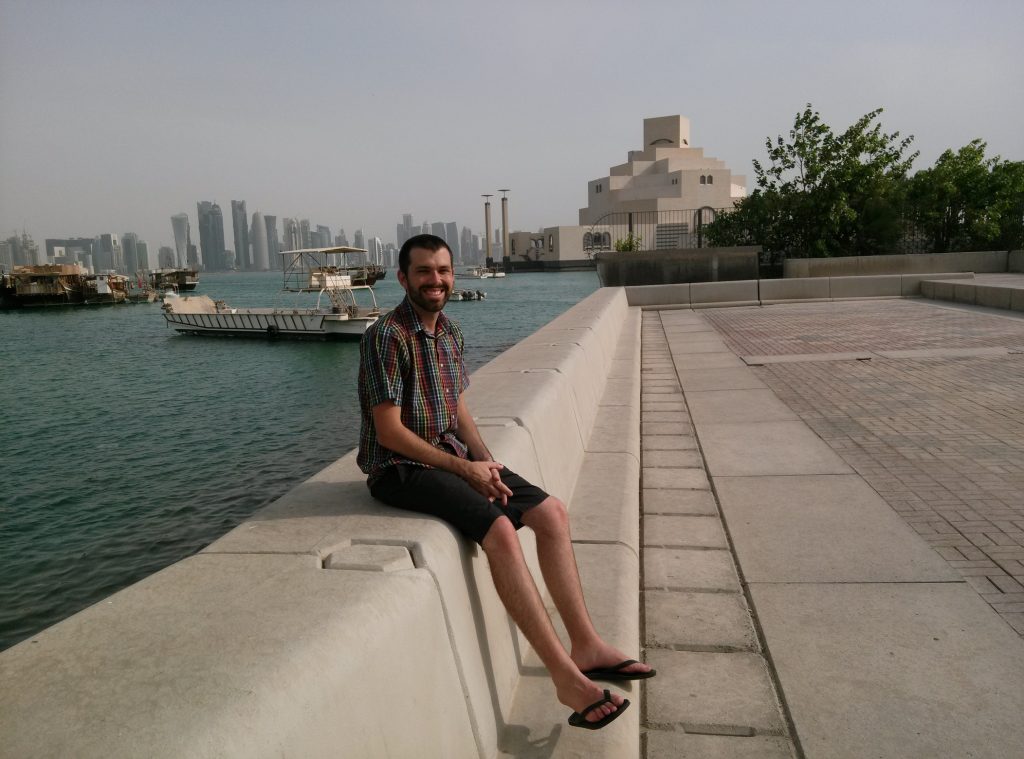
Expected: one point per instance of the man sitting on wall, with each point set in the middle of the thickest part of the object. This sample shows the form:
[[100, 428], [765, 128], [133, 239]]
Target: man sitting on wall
[[422, 451]]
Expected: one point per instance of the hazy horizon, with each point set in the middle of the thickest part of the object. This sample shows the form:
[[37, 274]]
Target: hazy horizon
[[118, 115]]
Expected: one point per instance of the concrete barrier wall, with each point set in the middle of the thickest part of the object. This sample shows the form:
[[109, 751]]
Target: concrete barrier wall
[[1015, 261], [773, 291], [667, 266], [989, 261], [331, 625]]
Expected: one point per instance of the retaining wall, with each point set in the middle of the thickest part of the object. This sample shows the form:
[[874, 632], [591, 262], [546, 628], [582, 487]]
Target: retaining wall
[[988, 261], [331, 625], [665, 266], [755, 292]]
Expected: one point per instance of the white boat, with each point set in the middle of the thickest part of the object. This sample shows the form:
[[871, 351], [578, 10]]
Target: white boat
[[482, 272], [351, 310]]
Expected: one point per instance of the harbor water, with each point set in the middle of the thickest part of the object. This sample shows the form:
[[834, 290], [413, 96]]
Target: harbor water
[[125, 447]]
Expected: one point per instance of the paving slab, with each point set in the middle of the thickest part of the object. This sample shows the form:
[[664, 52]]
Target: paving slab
[[741, 378], [697, 621], [823, 528], [679, 417], [738, 406], [689, 569], [654, 403], [711, 691], [726, 360], [674, 744], [767, 448], [679, 502], [684, 531], [665, 428], [684, 347], [675, 441], [673, 459], [801, 358], [895, 671], [689, 479]]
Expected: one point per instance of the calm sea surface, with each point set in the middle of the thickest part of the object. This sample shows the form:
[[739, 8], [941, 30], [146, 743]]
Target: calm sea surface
[[125, 446]]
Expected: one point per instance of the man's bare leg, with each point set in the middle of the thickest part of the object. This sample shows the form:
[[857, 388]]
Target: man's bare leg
[[519, 594], [550, 521]]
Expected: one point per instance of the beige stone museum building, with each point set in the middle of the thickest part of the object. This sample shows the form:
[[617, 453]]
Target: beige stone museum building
[[667, 174]]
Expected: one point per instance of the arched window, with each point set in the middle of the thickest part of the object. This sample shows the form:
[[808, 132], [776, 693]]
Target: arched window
[[703, 179], [588, 241], [711, 179], [606, 240]]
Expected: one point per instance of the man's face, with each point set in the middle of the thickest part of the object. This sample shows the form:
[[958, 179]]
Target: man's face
[[430, 280]]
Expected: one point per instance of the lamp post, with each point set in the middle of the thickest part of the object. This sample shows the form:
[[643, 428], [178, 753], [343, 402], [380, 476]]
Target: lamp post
[[487, 225], [506, 260]]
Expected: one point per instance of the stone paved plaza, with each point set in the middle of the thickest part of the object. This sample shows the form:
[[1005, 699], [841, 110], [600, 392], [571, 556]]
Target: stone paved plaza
[[936, 431], [831, 494]]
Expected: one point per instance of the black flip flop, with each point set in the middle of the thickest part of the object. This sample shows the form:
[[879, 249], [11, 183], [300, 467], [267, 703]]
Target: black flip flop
[[615, 673], [579, 719]]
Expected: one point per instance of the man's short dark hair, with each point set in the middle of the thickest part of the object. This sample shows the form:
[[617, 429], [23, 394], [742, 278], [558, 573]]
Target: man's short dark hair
[[427, 242]]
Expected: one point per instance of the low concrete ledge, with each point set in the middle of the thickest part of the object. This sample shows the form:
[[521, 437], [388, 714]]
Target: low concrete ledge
[[706, 294], [880, 286], [911, 283], [804, 289], [305, 629]]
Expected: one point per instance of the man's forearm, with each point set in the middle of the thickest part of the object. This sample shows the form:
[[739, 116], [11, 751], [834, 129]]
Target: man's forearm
[[468, 433], [405, 442]]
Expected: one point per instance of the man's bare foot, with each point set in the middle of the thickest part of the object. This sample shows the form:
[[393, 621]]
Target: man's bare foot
[[603, 656], [581, 693]]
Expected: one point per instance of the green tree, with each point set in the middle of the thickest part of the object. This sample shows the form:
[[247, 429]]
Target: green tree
[[822, 193], [967, 201]]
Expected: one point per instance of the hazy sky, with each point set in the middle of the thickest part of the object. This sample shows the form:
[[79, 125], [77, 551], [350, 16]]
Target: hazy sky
[[116, 115]]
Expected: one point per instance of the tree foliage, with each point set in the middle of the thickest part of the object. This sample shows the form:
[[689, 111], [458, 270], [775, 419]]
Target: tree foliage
[[822, 193], [967, 201]]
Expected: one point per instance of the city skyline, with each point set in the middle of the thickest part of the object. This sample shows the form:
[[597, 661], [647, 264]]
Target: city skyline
[[541, 98]]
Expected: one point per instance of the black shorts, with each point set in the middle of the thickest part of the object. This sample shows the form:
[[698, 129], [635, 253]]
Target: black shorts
[[448, 496]]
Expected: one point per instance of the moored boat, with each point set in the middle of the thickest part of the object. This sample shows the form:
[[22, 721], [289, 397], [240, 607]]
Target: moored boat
[[352, 308], [60, 285]]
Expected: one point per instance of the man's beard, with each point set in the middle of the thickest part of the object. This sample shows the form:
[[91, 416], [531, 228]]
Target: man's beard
[[427, 305]]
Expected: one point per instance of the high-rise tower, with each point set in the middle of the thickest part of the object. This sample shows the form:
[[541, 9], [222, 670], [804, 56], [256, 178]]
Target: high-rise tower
[[258, 238], [182, 239], [240, 223], [211, 236]]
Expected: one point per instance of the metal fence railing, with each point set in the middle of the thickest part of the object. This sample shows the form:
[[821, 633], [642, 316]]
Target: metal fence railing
[[650, 230]]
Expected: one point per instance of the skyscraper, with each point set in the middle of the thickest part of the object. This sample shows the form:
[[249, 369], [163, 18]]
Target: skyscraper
[[358, 240], [305, 238], [290, 231], [142, 250], [182, 239], [273, 242], [129, 253], [451, 236], [466, 246], [240, 223], [260, 248], [375, 251], [211, 236], [165, 258], [342, 238], [108, 253], [324, 234]]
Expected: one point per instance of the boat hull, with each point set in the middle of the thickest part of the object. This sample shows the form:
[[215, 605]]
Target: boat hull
[[311, 324]]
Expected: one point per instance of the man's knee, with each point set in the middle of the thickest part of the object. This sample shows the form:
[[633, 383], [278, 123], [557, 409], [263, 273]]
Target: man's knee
[[548, 517], [501, 537]]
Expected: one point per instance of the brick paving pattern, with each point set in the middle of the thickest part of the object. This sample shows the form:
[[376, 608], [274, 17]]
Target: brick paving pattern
[[941, 439]]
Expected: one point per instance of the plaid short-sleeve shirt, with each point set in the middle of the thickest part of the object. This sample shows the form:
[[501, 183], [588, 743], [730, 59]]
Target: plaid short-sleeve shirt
[[400, 361]]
